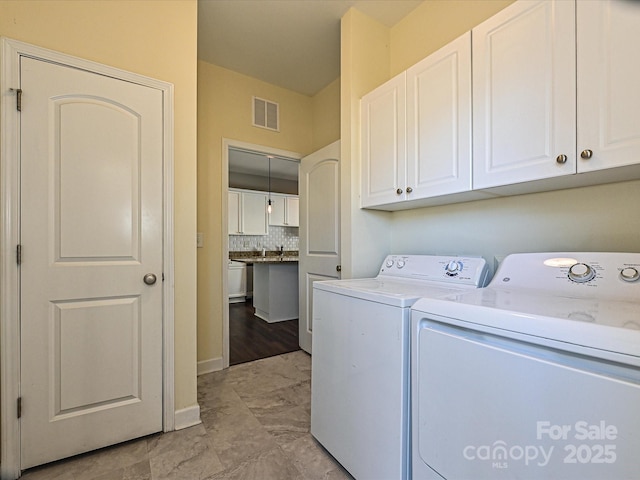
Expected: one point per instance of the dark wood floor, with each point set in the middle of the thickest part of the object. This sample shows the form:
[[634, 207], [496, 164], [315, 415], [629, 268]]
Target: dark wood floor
[[251, 338]]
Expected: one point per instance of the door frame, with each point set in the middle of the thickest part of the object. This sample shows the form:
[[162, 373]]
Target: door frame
[[10, 53], [226, 145]]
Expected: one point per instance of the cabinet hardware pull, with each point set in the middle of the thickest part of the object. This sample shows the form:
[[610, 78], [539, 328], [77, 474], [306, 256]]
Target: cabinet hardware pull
[[561, 159], [586, 154]]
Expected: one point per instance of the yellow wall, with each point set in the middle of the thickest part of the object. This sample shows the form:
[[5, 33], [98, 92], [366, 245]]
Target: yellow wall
[[156, 38], [433, 24], [365, 58], [224, 111], [326, 115]]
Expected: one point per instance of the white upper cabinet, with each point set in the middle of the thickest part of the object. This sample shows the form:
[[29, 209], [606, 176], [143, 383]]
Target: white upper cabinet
[[247, 213], [524, 94], [383, 144], [554, 103], [608, 84], [234, 213], [284, 211], [439, 122], [416, 131]]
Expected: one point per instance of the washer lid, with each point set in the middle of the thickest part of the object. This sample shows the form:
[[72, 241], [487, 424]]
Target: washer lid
[[390, 291], [608, 325]]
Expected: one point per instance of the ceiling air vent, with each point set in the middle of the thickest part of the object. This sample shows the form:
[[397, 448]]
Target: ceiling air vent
[[266, 114]]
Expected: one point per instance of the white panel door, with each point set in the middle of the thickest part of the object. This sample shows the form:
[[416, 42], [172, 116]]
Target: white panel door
[[319, 230], [524, 94], [383, 143], [439, 122], [608, 79], [91, 229]]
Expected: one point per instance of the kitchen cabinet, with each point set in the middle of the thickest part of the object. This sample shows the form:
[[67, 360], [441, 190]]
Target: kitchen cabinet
[[528, 87], [237, 281], [416, 131], [284, 210], [275, 290], [247, 212], [524, 83]]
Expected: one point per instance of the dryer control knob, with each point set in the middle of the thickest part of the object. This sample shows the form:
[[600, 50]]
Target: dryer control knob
[[629, 274], [389, 263], [581, 273], [400, 263]]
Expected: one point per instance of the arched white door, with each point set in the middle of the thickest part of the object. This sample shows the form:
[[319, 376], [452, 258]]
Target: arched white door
[[92, 261], [319, 188]]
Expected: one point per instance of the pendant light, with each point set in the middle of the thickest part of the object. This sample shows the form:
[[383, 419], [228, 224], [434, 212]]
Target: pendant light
[[269, 202]]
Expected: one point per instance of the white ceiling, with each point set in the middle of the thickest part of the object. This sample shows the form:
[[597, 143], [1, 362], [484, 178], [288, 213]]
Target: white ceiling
[[294, 44]]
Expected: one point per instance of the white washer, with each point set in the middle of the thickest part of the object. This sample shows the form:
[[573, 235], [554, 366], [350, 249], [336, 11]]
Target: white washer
[[535, 376], [360, 375]]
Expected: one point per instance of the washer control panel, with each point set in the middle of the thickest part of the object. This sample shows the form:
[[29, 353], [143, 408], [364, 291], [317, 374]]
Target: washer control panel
[[451, 269], [582, 274]]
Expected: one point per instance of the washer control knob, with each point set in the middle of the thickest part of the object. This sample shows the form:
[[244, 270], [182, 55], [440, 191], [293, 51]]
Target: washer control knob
[[400, 263], [629, 274], [581, 273], [389, 263], [453, 268]]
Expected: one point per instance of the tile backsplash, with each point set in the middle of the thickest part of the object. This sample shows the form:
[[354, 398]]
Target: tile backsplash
[[287, 236]]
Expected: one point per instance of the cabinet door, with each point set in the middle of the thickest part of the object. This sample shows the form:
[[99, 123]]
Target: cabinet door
[[439, 122], [277, 217], [383, 143], [524, 94], [254, 214], [293, 210], [234, 202], [608, 84]]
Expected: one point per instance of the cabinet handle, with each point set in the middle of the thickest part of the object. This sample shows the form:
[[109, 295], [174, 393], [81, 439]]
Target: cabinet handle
[[586, 154], [338, 268], [409, 189], [399, 191], [561, 159]]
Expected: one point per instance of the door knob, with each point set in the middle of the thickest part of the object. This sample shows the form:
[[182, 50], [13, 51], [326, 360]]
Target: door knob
[[399, 191], [149, 279], [586, 154], [409, 189]]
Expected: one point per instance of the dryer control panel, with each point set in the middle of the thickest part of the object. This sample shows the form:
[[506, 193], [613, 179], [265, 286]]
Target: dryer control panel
[[603, 274]]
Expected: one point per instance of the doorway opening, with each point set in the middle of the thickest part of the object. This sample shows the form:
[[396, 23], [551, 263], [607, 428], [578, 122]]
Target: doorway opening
[[257, 176]]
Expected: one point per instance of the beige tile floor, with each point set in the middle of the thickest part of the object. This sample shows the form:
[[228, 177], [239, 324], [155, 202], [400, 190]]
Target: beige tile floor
[[255, 425]]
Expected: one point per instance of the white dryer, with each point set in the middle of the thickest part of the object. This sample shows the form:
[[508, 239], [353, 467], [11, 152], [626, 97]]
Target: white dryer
[[360, 361], [536, 376]]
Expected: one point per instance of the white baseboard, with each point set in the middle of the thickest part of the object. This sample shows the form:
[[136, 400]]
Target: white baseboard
[[187, 417], [211, 365]]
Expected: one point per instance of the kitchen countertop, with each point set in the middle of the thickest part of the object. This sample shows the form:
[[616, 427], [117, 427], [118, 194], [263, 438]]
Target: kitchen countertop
[[267, 259]]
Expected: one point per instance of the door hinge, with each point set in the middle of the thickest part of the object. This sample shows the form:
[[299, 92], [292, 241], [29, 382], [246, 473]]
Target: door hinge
[[19, 407], [19, 254], [18, 98]]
